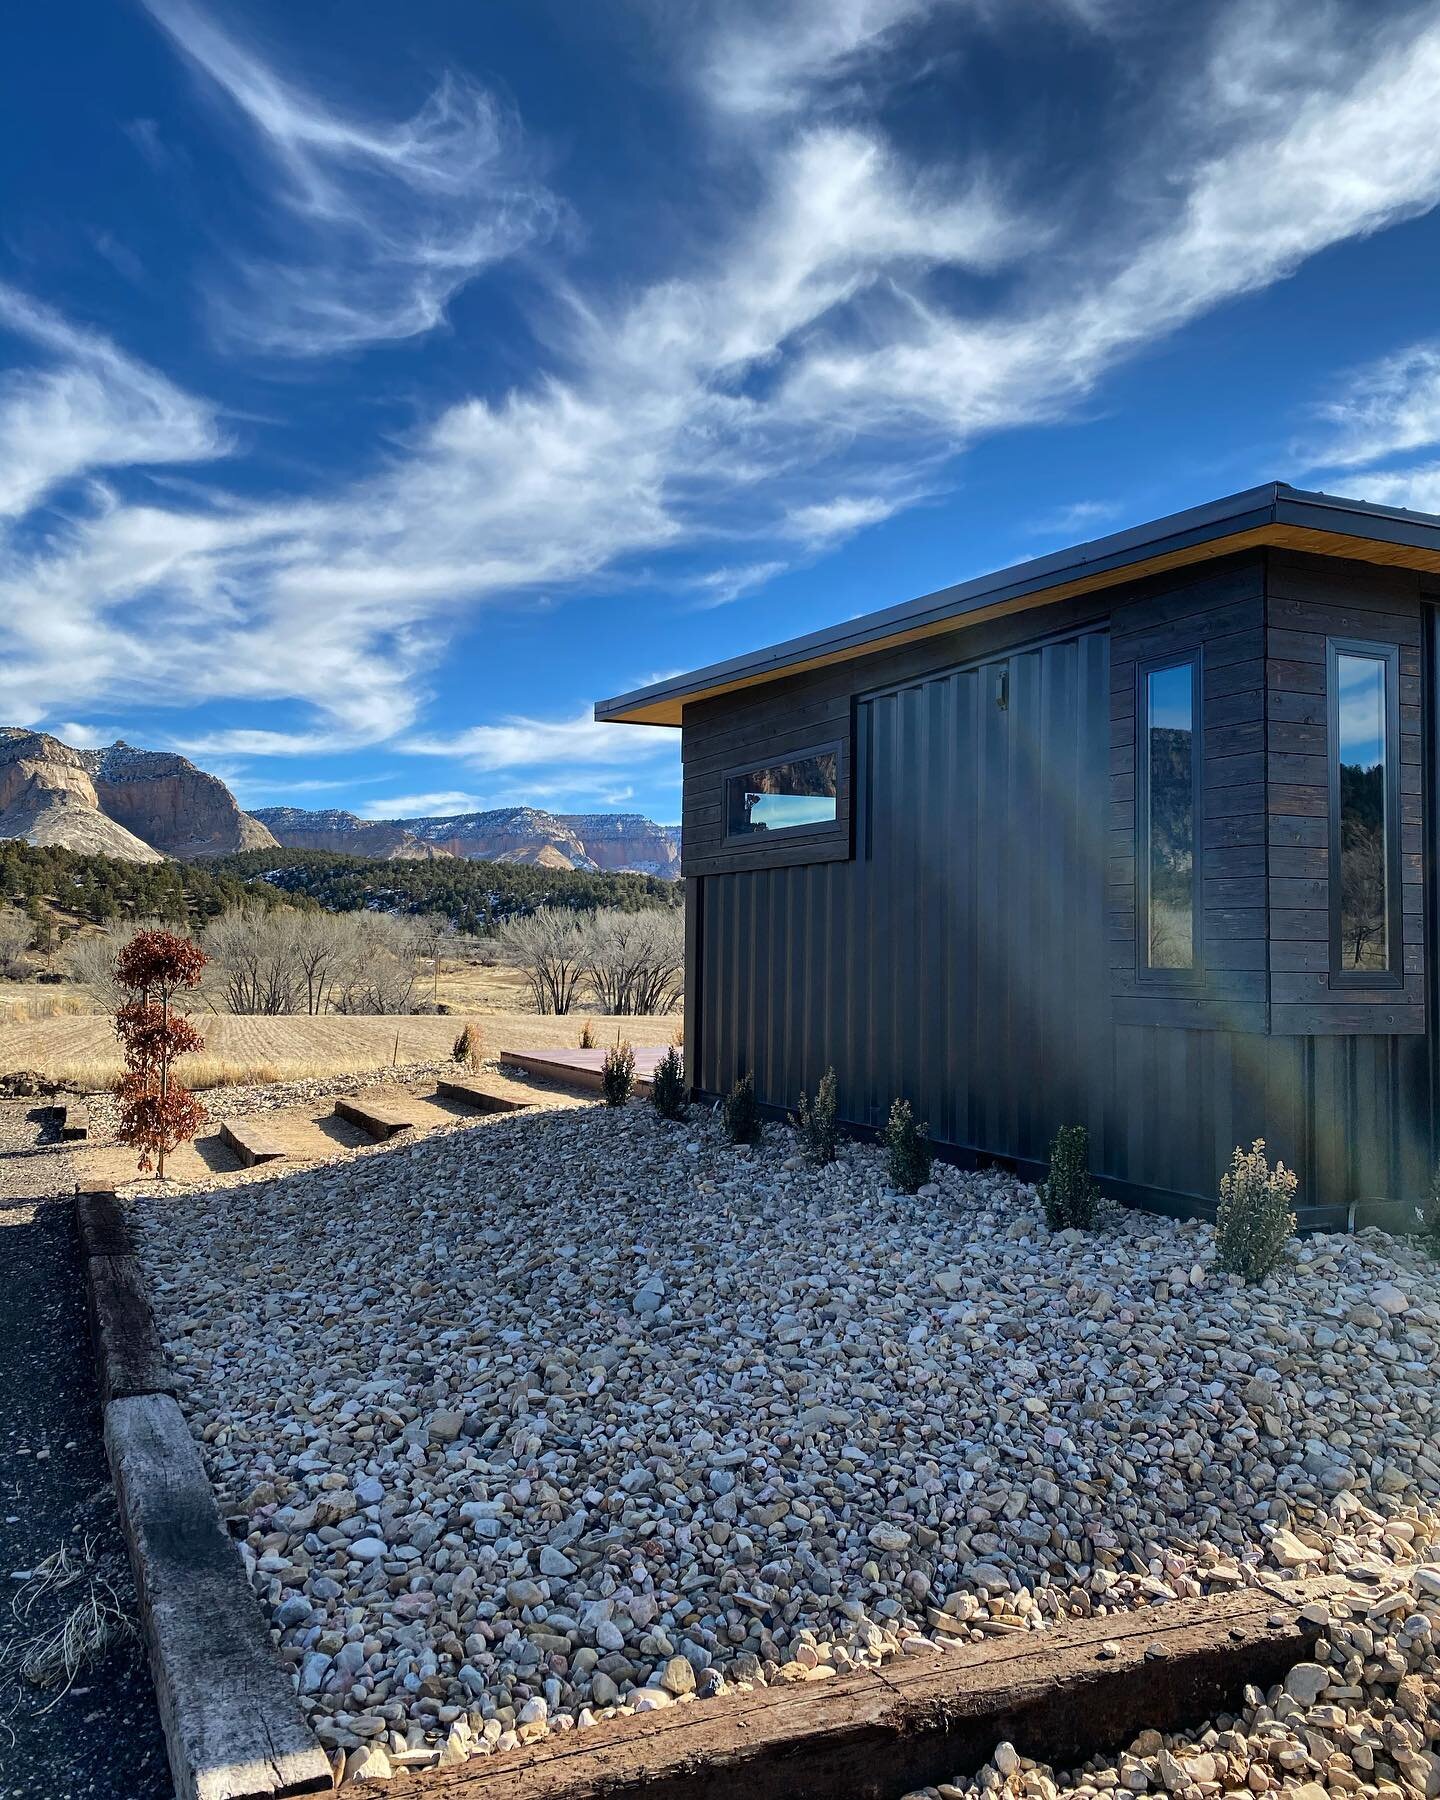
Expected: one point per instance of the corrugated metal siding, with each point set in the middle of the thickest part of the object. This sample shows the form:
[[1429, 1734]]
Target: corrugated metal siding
[[960, 960]]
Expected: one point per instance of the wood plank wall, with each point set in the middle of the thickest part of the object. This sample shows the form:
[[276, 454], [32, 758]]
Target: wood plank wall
[[1221, 614], [767, 724], [1311, 599]]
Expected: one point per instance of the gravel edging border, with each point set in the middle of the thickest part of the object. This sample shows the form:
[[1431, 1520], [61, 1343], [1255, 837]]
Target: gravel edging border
[[1079, 1689], [232, 1724]]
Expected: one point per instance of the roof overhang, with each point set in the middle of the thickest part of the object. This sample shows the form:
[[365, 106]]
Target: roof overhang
[[1274, 515]]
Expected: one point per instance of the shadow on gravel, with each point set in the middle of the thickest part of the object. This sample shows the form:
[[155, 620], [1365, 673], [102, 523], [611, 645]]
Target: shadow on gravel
[[66, 1583]]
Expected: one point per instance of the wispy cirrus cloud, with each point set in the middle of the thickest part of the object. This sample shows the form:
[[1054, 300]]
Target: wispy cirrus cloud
[[765, 60], [79, 404], [805, 371], [520, 743], [718, 587], [1384, 409], [377, 224]]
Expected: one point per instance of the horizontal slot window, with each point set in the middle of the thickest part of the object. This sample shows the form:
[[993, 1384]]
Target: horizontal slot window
[[801, 794]]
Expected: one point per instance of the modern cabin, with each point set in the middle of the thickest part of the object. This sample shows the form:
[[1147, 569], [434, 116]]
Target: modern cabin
[[1140, 835]]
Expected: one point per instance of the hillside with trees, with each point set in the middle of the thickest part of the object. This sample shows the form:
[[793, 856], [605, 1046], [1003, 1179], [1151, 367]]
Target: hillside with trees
[[474, 896]]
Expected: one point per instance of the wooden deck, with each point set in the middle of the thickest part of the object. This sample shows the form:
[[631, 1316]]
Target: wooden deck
[[581, 1068]]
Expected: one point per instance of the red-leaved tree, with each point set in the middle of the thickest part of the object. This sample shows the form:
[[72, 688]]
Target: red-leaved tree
[[156, 1112]]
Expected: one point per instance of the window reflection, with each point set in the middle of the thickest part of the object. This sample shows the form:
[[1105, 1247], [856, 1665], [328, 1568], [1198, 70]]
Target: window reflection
[[1170, 748], [783, 796], [1361, 748]]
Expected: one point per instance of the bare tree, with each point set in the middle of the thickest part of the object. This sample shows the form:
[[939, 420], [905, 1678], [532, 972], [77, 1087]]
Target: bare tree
[[326, 949], [90, 959], [435, 935], [16, 936], [383, 969], [635, 961], [254, 960], [548, 947]]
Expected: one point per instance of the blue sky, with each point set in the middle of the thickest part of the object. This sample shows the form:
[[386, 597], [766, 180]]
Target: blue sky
[[381, 384]]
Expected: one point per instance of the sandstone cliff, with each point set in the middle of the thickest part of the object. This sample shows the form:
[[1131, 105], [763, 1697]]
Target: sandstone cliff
[[168, 803], [142, 805], [627, 841], [332, 829], [48, 796], [509, 834]]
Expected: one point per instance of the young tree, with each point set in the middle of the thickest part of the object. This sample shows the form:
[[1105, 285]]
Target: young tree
[[17, 933], [156, 1112]]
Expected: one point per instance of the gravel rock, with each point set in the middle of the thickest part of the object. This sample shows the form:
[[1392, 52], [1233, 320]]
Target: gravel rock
[[853, 1423], [1362, 1720]]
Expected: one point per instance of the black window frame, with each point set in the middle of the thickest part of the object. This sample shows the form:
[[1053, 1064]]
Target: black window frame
[[1145, 971], [1392, 976], [786, 834]]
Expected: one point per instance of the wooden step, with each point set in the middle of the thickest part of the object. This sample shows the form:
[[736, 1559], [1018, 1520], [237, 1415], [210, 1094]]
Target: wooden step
[[74, 1120], [472, 1094], [582, 1068], [382, 1118], [253, 1141]]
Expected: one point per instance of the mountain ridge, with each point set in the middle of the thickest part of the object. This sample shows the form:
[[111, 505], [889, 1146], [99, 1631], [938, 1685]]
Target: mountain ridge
[[140, 805], [152, 805], [595, 842]]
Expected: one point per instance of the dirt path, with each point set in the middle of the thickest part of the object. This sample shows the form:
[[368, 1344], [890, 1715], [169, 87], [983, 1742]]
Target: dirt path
[[102, 1737]]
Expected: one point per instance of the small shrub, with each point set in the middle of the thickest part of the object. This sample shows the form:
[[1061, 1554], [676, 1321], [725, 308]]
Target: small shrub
[[587, 1035], [469, 1047], [816, 1119], [617, 1075], [1068, 1194], [742, 1121], [909, 1148], [1256, 1215], [667, 1086]]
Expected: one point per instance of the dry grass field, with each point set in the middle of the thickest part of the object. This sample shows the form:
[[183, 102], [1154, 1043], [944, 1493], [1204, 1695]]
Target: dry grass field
[[39, 1029]]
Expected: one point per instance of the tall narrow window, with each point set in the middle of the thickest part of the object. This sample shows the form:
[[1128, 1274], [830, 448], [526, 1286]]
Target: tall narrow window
[[1364, 927], [1168, 791]]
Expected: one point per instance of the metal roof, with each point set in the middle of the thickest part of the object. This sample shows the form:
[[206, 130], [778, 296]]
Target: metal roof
[[1273, 514]]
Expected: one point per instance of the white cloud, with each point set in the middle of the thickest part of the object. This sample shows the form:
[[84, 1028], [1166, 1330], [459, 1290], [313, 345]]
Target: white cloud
[[1285, 172], [718, 587], [769, 59], [804, 376], [381, 223], [416, 806], [825, 522], [249, 742], [1417, 488], [85, 737], [1388, 407], [520, 743], [85, 407], [1079, 516]]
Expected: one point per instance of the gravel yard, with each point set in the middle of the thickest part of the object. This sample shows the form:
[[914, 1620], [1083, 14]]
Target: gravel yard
[[1363, 1718], [578, 1410]]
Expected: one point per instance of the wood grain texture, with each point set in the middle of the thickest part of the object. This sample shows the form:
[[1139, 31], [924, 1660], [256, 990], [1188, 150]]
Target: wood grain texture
[[876, 1733], [1309, 601]]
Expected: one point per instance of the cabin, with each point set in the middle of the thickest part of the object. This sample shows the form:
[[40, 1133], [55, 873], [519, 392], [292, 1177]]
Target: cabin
[[1140, 835]]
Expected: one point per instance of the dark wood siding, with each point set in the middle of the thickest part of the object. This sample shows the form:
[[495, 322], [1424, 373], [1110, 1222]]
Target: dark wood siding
[[1221, 615], [1311, 600], [766, 724], [961, 951]]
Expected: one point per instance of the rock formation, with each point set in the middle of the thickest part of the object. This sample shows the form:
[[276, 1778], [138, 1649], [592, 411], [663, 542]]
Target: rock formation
[[333, 829], [170, 804], [141, 805]]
